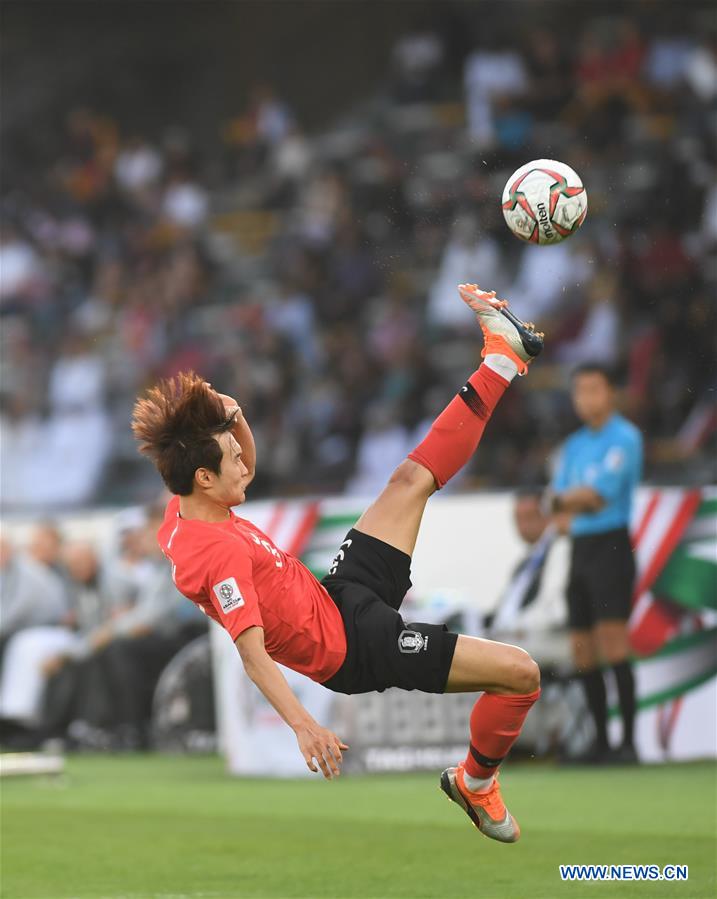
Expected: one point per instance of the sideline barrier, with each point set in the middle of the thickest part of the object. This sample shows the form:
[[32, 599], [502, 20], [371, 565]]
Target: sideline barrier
[[465, 553]]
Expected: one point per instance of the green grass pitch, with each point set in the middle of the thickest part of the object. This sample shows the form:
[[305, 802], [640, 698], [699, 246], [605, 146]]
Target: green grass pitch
[[157, 827]]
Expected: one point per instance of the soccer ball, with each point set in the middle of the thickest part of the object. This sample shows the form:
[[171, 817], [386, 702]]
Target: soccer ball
[[544, 201]]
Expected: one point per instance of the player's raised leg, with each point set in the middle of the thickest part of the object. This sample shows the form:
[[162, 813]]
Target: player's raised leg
[[509, 346], [507, 674]]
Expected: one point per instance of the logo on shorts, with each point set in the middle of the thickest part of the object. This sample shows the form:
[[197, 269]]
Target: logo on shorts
[[228, 594], [339, 557], [412, 641]]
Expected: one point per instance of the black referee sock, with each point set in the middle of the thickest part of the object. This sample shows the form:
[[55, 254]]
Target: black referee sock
[[594, 687], [626, 695]]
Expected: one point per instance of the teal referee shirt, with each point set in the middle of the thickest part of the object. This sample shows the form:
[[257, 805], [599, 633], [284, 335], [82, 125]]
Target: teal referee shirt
[[610, 461]]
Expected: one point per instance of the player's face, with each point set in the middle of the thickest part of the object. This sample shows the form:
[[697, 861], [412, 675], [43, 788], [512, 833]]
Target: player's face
[[593, 397], [229, 484]]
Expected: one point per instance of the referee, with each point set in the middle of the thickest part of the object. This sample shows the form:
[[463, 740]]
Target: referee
[[597, 472]]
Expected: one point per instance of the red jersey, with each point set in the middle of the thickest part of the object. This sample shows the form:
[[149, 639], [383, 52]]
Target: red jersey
[[236, 575]]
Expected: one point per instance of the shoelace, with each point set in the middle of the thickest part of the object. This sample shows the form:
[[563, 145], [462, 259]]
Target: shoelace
[[490, 800]]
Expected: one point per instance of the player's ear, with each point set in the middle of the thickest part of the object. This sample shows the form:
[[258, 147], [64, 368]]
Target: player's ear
[[203, 478]]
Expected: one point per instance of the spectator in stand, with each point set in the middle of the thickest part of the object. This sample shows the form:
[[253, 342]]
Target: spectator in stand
[[599, 334], [78, 418], [417, 59], [138, 167], [45, 546], [261, 129], [549, 75], [382, 447], [129, 651], [126, 566], [292, 314], [491, 73], [32, 595], [291, 160], [466, 253], [701, 68], [322, 207], [38, 653], [531, 609], [67, 668], [185, 203], [31, 592], [21, 269], [544, 277]]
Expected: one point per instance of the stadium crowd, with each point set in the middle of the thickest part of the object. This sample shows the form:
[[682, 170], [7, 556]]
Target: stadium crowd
[[315, 275]]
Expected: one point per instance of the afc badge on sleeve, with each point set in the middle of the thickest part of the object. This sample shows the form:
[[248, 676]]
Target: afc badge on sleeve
[[229, 595]]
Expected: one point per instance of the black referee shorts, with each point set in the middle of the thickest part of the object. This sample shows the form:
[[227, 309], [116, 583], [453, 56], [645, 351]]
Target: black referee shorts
[[601, 579], [368, 580]]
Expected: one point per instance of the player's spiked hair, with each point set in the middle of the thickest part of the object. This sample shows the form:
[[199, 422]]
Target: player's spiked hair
[[176, 425]]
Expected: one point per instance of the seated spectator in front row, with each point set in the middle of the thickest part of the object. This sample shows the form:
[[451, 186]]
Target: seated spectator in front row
[[36, 652], [45, 546], [108, 703], [531, 607], [99, 592], [32, 602]]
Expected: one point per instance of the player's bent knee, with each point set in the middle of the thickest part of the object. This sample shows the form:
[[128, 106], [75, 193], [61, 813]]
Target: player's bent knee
[[524, 673], [532, 676]]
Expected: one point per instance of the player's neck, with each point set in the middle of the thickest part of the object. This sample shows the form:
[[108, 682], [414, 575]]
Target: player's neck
[[595, 424], [203, 508]]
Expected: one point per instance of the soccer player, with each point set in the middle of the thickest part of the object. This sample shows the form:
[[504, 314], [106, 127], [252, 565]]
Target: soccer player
[[345, 632], [596, 476]]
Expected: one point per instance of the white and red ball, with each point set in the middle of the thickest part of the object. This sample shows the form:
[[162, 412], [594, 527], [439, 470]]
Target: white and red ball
[[544, 201]]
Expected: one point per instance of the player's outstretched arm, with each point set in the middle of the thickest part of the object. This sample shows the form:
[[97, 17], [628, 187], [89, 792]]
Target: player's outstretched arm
[[245, 439], [318, 744], [243, 436]]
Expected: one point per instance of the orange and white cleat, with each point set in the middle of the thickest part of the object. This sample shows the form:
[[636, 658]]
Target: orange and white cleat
[[486, 810], [503, 332]]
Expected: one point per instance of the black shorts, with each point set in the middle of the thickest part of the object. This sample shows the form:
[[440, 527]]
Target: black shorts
[[602, 575], [368, 580]]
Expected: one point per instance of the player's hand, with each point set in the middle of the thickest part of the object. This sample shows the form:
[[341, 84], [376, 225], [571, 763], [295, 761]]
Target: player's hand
[[230, 404], [321, 747]]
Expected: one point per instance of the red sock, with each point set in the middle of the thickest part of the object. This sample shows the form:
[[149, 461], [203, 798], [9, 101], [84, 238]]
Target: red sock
[[457, 431], [496, 721]]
